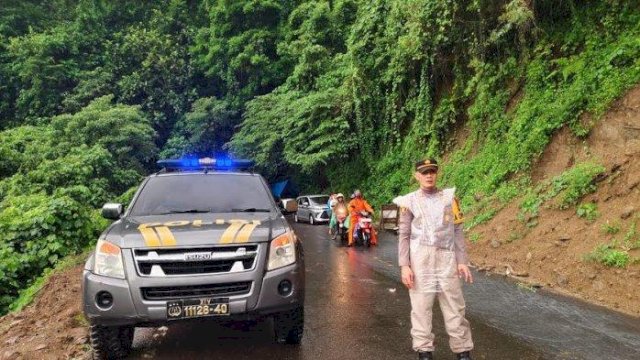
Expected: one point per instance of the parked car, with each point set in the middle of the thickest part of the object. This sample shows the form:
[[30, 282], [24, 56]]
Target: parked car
[[312, 208]]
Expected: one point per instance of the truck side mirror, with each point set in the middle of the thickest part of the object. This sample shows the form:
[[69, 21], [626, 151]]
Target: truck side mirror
[[112, 211]]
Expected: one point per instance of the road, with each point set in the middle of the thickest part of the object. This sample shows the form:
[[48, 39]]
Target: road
[[357, 309]]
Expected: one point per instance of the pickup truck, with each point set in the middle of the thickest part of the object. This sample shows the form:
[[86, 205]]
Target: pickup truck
[[200, 239]]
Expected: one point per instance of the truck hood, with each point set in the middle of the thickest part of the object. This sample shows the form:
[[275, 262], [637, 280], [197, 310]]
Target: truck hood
[[185, 230]]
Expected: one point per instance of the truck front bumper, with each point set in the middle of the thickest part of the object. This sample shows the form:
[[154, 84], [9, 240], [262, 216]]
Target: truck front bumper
[[130, 308]]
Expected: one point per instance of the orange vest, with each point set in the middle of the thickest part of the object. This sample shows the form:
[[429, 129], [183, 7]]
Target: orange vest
[[358, 205]]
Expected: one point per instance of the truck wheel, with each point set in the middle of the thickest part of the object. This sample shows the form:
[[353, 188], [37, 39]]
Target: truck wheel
[[110, 342], [295, 217], [289, 326], [311, 220]]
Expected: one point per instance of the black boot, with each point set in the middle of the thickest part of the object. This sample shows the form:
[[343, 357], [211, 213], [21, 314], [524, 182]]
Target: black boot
[[464, 356], [425, 355]]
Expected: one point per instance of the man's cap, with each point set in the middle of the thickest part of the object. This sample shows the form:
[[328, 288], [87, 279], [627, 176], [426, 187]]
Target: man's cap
[[426, 164], [339, 195]]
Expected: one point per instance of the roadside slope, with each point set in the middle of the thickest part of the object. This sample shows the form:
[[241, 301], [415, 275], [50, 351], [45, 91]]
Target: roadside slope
[[52, 327], [552, 248]]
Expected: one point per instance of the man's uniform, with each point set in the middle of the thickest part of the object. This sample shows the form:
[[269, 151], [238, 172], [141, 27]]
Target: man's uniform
[[431, 242]]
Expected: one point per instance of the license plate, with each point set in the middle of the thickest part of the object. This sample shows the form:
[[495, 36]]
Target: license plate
[[193, 308]]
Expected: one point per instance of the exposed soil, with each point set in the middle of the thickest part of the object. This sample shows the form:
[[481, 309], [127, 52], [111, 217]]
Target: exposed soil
[[551, 253], [52, 327]]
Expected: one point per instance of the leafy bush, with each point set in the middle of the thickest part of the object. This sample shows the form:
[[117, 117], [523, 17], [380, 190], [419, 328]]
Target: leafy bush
[[567, 188], [530, 204], [56, 176], [575, 183], [610, 228], [609, 256], [587, 211], [38, 230]]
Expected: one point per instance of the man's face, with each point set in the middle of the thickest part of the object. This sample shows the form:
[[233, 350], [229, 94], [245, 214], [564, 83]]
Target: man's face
[[427, 179]]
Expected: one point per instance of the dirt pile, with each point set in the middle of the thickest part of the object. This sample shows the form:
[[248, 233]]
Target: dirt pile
[[52, 327], [551, 251]]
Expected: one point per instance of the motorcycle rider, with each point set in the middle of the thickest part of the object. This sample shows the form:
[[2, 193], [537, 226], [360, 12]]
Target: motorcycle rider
[[340, 205], [356, 206]]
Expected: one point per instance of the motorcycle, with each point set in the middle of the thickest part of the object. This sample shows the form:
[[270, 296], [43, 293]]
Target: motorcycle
[[342, 228], [363, 229]]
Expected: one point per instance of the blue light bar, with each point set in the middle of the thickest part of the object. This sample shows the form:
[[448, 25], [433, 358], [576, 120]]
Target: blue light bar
[[205, 163]]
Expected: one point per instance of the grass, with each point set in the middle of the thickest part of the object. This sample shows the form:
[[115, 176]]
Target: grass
[[588, 211], [631, 239], [527, 287], [608, 255], [610, 228], [27, 295], [475, 237], [79, 320], [566, 190], [513, 236], [482, 218]]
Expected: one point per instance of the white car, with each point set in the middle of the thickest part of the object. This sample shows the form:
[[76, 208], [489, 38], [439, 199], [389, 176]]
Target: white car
[[312, 208]]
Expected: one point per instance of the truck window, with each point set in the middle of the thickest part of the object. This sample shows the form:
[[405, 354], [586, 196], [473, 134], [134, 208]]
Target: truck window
[[216, 193]]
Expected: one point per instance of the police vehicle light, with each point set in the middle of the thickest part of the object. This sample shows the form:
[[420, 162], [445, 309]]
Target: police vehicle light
[[108, 260], [282, 251], [205, 163]]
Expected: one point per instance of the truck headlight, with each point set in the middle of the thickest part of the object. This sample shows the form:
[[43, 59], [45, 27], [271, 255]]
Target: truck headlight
[[108, 260], [282, 251]]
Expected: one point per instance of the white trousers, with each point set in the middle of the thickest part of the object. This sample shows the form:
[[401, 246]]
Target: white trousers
[[435, 276]]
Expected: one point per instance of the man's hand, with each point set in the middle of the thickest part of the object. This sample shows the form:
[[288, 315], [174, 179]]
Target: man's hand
[[463, 273], [407, 276]]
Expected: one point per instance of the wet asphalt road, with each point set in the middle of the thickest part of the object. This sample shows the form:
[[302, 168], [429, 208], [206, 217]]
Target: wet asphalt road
[[357, 309]]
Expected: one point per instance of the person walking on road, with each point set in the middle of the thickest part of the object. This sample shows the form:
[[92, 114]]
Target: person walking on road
[[433, 259], [331, 204]]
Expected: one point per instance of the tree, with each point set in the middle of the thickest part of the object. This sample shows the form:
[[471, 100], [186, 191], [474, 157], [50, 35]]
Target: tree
[[239, 49], [204, 130], [123, 130]]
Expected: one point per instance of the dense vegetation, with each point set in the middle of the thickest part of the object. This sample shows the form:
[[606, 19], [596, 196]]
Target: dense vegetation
[[334, 93]]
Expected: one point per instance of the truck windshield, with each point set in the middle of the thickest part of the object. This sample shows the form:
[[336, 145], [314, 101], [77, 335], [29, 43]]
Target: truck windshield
[[214, 193]]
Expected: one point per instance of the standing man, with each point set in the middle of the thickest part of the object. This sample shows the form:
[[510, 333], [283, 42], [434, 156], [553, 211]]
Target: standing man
[[433, 259]]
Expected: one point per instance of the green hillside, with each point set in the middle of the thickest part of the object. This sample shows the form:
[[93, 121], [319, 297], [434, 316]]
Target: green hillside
[[335, 94]]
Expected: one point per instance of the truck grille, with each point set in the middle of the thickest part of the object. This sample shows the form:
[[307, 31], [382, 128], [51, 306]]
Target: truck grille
[[181, 292], [195, 261], [324, 215]]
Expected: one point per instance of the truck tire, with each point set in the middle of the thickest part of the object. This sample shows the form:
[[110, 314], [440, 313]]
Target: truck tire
[[110, 342], [289, 326]]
